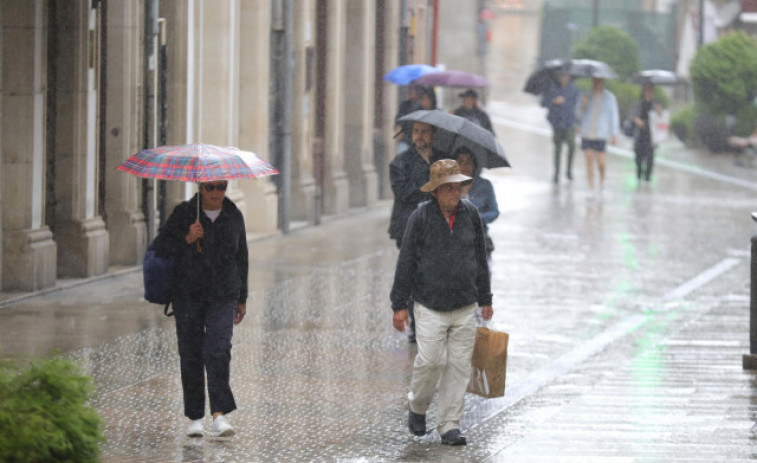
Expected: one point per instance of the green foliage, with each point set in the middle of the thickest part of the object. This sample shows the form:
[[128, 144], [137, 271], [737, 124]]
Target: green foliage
[[724, 74], [682, 125], [44, 416], [612, 46]]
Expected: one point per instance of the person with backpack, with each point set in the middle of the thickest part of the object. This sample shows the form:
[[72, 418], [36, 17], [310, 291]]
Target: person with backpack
[[209, 298], [442, 265]]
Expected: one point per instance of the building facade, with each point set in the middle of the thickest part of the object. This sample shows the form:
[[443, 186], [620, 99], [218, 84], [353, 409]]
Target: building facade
[[85, 84]]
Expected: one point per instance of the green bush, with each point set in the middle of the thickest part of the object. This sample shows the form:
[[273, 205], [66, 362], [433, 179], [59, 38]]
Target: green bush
[[682, 125], [44, 416], [724, 74], [612, 46]]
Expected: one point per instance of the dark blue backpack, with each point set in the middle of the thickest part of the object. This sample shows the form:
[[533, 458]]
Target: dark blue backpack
[[158, 273]]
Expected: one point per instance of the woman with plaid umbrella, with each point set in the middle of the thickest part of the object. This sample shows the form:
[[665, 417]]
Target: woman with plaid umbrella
[[210, 293]]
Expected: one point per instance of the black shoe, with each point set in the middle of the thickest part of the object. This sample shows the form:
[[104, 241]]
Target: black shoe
[[556, 178], [453, 437], [569, 176], [416, 423]]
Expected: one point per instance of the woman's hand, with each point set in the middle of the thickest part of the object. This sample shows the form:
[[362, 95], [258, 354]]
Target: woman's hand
[[195, 232]]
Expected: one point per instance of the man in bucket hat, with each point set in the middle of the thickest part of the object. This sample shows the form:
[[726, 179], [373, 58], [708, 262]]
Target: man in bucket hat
[[442, 266]]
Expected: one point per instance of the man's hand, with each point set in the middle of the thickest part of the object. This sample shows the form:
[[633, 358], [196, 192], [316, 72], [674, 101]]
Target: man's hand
[[400, 320], [195, 232], [241, 312], [486, 312], [558, 100]]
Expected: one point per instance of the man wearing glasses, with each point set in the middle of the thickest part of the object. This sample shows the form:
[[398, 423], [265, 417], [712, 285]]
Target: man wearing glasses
[[442, 266], [209, 297]]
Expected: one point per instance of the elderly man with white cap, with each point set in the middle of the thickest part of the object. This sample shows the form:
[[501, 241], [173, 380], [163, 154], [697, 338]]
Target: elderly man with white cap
[[442, 266]]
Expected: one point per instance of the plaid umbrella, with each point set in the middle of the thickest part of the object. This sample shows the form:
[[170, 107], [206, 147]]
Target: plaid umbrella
[[196, 163]]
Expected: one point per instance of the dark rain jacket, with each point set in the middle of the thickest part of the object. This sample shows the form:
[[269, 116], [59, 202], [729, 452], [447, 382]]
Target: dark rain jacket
[[219, 272], [408, 172], [444, 269], [477, 116]]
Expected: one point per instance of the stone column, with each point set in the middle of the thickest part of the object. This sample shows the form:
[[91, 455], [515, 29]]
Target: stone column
[[79, 230], [303, 198], [392, 24], [29, 252], [261, 211], [358, 69], [336, 185], [125, 220]]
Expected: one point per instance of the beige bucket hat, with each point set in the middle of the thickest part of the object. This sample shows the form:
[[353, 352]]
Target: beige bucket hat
[[444, 171]]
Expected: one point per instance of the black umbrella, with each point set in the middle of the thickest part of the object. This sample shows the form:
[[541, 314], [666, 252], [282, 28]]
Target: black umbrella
[[655, 77], [591, 68], [454, 131], [543, 79]]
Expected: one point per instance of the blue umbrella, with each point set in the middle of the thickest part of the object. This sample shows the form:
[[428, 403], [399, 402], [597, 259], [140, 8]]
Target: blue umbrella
[[406, 74]]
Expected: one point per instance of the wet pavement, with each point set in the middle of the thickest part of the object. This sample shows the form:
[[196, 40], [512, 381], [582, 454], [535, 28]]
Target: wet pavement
[[628, 315]]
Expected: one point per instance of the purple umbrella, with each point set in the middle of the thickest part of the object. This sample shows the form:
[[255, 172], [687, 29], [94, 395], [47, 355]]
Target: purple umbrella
[[454, 79]]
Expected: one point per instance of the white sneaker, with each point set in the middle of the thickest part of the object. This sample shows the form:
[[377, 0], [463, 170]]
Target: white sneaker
[[220, 428], [195, 428]]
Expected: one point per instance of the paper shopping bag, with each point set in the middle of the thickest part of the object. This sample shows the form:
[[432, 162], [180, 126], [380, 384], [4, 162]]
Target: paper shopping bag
[[489, 363]]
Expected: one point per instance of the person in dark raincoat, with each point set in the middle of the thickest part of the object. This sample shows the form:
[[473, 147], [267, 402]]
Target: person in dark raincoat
[[442, 266], [209, 298], [561, 101], [643, 145], [469, 109], [408, 172]]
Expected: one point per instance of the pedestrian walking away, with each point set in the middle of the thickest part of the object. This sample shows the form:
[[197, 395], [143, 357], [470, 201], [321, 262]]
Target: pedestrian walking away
[[598, 113], [480, 192], [561, 101], [210, 293], [643, 144], [407, 173], [442, 266], [471, 110]]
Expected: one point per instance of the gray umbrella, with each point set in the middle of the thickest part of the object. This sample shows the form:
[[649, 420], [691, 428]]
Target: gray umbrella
[[655, 77], [454, 131], [591, 68]]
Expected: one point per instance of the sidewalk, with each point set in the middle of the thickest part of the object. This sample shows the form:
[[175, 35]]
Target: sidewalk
[[628, 316]]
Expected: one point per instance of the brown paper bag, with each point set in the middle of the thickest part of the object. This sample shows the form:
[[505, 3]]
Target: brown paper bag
[[489, 363]]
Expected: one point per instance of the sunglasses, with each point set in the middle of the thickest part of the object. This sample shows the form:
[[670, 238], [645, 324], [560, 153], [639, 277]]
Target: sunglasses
[[219, 187]]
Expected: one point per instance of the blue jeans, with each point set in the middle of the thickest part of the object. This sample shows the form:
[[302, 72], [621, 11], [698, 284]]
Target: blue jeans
[[203, 331]]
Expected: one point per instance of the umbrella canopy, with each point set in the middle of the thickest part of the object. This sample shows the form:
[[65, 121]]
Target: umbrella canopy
[[487, 15], [543, 79], [591, 68], [454, 131], [196, 163], [654, 76], [454, 79], [407, 73]]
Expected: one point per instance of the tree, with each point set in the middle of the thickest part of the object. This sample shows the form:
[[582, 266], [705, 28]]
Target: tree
[[724, 74], [612, 46]]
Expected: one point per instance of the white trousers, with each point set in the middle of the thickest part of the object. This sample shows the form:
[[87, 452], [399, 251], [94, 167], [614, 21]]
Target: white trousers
[[445, 346]]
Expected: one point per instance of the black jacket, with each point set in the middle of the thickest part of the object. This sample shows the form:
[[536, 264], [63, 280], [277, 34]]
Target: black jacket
[[440, 268], [477, 116], [408, 172], [219, 272]]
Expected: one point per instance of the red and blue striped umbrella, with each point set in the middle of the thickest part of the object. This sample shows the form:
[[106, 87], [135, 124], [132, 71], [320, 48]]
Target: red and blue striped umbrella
[[197, 163]]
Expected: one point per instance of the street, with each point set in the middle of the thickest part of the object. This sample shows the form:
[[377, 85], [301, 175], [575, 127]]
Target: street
[[628, 314]]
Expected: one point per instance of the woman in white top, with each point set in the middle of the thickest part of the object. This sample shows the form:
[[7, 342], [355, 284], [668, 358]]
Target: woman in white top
[[600, 122]]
